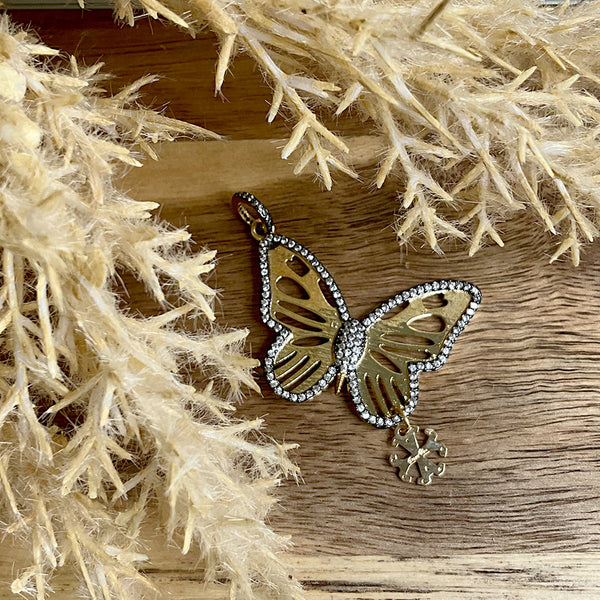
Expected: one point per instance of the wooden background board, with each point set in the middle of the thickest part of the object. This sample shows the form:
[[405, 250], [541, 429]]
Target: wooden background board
[[518, 404]]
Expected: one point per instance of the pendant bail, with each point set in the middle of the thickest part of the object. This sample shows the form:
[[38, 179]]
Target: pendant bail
[[254, 213]]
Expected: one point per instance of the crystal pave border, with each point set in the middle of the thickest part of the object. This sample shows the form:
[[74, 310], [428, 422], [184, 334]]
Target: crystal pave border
[[260, 208], [283, 334], [417, 367]]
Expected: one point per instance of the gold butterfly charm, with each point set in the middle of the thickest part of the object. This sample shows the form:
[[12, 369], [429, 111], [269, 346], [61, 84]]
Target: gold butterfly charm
[[379, 358]]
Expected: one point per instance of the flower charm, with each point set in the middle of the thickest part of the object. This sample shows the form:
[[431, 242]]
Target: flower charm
[[418, 456]]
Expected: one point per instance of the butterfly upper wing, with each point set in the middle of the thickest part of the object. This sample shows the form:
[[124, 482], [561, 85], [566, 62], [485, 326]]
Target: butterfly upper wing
[[302, 303], [412, 332]]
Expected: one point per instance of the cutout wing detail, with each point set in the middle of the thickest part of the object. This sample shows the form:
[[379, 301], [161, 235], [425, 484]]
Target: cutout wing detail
[[412, 332], [303, 304]]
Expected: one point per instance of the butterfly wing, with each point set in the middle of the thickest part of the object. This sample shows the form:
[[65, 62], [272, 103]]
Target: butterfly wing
[[411, 333], [302, 303]]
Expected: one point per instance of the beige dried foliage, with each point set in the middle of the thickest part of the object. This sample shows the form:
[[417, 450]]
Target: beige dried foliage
[[485, 109], [98, 419]]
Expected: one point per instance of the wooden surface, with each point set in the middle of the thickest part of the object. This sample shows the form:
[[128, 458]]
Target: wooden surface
[[518, 404]]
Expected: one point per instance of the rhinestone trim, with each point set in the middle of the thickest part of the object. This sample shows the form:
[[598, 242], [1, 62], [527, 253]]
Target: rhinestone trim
[[343, 362]]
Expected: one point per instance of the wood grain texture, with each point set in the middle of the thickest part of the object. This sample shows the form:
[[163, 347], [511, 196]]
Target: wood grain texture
[[528, 576], [518, 404]]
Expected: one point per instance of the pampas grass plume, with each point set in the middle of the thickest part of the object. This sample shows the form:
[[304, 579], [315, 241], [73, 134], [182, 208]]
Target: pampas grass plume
[[483, 109], [98, 422]]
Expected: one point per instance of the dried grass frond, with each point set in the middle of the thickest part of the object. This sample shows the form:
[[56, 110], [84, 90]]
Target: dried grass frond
[[98, 421], [469, 95]]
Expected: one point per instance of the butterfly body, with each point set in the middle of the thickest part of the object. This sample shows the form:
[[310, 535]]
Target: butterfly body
[[379, 357], [350, 344]]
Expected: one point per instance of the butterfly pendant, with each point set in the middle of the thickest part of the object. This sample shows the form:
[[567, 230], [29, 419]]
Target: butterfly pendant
[[379, 358]]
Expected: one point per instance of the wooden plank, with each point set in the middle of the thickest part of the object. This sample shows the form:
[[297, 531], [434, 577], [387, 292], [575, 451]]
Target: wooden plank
[[528, 576], [56, 4]]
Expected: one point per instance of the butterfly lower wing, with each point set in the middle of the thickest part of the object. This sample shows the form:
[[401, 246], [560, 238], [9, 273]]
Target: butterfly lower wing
[[302, 303], [412, 332]]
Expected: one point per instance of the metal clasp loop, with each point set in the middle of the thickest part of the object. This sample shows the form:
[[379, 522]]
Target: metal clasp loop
[[254, 213]]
